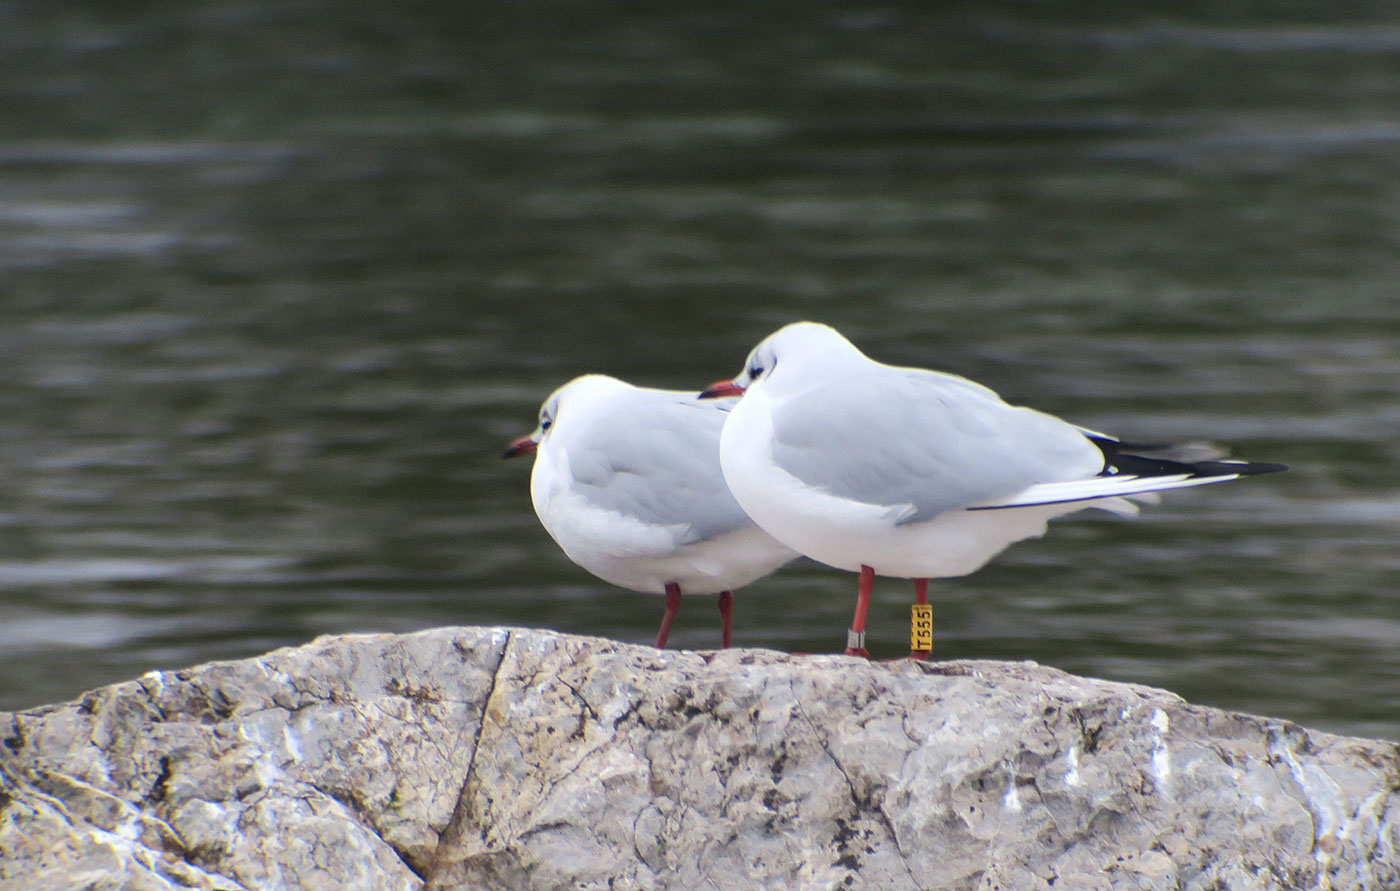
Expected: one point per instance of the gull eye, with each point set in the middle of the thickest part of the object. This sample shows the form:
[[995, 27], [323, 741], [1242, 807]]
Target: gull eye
[[545, 423], [758, 366]]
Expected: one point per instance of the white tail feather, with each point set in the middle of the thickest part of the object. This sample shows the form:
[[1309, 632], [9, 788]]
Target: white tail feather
[[1099, 487]]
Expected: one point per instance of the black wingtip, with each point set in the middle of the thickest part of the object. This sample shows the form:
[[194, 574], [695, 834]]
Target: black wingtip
[[1253, 468], [1120, 457]]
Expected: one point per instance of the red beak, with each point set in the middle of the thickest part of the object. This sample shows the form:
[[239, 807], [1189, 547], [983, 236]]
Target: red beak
[[522, 446], [721, 388]]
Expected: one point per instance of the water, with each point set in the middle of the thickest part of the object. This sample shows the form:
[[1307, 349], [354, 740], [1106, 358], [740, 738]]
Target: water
[[279, 281]]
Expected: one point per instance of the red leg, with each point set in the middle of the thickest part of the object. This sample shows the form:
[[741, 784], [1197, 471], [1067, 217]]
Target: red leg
[[855, 640], [921, 598], [726, 615], [673, 606]]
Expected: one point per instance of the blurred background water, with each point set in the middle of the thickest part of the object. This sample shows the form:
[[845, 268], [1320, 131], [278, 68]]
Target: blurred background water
[[279, 280]]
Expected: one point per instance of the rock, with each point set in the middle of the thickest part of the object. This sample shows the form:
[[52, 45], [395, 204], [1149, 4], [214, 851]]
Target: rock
[[514, 759]]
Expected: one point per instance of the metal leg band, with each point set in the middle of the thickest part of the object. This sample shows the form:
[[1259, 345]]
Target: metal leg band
[[855, 640]]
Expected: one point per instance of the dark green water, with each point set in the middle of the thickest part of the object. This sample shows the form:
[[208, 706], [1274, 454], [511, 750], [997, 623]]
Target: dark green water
[[279, 280]]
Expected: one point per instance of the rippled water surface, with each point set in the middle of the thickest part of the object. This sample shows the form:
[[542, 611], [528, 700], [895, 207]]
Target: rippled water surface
[[278, 281]]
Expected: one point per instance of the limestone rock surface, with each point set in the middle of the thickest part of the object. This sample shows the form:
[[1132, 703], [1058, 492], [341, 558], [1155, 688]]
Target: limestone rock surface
[[517, 759]]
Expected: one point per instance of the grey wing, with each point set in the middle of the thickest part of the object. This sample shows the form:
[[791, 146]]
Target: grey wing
[[658, 461], [922, 443]]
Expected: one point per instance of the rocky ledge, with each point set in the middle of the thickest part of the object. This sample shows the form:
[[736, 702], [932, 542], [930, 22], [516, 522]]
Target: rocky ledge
[[506, 758]]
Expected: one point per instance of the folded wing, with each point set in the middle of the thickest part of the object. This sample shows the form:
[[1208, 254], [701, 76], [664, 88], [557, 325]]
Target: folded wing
[[921, 443], [656, 460]]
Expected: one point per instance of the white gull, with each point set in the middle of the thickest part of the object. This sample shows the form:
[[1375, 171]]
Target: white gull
[[913, 473], [627, 481]]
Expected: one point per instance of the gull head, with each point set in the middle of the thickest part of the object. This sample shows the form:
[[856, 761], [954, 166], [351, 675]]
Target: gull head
[[572, 398], [802, 348]]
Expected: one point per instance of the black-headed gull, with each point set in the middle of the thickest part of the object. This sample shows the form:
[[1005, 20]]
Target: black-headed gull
[[912, 473], [627, 481]]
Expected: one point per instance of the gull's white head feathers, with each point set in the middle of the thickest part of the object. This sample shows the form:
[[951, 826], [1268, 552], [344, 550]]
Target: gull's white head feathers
[[803, 350], [574, 397]]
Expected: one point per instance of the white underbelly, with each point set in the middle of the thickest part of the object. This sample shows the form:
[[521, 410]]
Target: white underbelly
[[725, 563], [951, 544]]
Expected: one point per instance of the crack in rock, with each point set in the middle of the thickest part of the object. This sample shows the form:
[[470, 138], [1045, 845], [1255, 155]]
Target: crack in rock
[[861, 804], [464, 812]]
